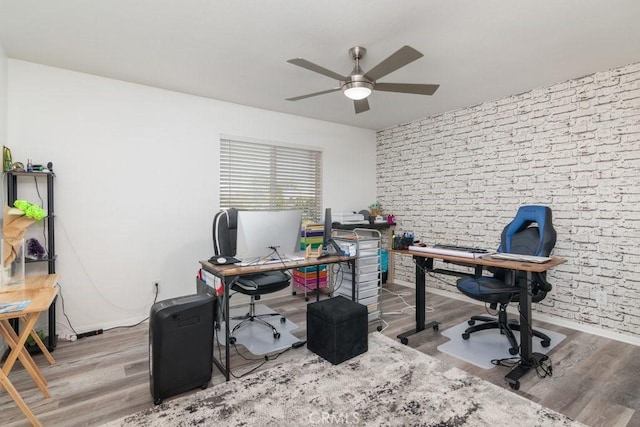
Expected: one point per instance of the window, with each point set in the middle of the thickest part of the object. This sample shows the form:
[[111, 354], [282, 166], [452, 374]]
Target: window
[[261, 176]]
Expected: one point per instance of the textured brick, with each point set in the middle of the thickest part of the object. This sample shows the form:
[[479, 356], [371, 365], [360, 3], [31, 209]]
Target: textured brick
[[459, 177]]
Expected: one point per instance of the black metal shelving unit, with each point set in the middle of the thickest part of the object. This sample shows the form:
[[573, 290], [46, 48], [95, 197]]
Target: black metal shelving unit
[[50, 259]]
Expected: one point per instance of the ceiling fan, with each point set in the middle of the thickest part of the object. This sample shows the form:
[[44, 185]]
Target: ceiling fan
[[358, 85]]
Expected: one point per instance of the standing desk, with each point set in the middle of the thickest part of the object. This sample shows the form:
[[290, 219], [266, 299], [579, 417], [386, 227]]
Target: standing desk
[[230, 273], [41, 291], [424, 264]]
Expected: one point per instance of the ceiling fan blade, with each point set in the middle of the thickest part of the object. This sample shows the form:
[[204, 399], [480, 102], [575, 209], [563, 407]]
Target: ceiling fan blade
[[361, 105], [318, 69], [417, 89], [309, 95], [399, 59]]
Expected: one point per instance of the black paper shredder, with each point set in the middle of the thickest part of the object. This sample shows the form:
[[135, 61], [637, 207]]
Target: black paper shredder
[[180, 345]]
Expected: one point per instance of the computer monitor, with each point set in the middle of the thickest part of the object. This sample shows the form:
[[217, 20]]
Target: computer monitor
[[328, 244], [268, 234]]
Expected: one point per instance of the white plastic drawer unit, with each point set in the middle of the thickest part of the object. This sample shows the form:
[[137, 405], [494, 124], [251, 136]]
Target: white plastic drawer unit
[[364, 269], [368, 244], [369, 300], [368, 261], [361, 277], [365, 286], [367, 293], [364, 290], [369, 253]]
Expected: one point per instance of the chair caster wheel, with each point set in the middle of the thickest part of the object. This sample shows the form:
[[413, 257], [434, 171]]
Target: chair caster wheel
[[306, 299], [465, 336], [436, 327], [515, 385], [293, 293], [545, 343], [471, 322], [232, 340], [276, 335], [157, 401], [404, 341], [513, 351], [379, 328], [283, 320]]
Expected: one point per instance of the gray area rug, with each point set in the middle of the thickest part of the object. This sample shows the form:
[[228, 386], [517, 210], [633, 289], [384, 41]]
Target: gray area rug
[[390, 385]]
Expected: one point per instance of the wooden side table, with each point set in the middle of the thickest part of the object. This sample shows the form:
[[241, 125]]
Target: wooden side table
[[41, 291]]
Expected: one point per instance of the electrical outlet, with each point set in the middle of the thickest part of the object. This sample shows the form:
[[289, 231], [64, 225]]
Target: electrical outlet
[[600, 295]]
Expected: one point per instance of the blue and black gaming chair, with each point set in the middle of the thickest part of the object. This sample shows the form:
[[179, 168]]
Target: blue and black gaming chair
[[530, 233]]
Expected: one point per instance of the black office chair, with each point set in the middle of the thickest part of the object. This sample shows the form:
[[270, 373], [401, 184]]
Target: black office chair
[[522, 237], [225, 226]]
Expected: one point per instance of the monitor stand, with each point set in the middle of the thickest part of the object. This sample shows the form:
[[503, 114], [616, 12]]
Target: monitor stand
[[331, 249]]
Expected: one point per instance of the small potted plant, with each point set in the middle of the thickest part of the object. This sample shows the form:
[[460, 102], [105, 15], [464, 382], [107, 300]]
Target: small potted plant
[[375, 208]]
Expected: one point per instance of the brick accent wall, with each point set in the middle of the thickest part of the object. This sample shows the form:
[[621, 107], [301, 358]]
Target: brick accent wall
[[460, 177]]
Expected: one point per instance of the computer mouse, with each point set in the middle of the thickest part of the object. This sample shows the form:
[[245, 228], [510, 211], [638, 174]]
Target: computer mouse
[[221, 260]]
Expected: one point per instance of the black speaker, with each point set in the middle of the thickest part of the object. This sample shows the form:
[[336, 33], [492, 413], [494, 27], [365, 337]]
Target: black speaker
[[180, 345]]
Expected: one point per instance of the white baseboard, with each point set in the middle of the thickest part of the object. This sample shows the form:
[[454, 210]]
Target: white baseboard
[[581, 327]]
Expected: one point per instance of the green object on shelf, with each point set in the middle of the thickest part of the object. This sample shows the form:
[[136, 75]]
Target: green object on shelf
[[30, 210]]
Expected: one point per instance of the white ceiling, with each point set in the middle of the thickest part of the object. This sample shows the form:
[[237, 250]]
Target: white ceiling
[[237, 50]]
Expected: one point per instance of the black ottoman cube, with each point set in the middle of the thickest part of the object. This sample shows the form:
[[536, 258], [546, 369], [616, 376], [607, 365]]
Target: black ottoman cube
[[337, 329]]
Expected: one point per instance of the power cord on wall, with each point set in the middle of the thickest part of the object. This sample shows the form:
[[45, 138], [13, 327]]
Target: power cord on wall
[[155, 298], [77, 335]]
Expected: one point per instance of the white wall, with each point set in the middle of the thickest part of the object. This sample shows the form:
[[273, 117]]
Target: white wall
[[3, 96], [575, 146], [137, 180]]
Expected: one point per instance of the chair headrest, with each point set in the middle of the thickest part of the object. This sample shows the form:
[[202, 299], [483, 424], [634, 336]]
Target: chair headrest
[[232, 218], [527, 215], [225, 226]]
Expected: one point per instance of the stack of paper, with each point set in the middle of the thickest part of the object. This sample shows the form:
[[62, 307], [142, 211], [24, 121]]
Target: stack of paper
[[348, 218]]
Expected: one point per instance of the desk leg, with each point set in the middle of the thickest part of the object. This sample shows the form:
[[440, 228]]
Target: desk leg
[[422, 264], [528, 359], [317, 283], [225, 369], [352, 264]]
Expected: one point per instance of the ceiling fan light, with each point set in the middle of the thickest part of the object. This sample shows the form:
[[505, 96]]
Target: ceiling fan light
[[357, 90]]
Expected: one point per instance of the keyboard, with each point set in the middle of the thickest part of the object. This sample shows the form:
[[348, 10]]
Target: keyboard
[[518, 257], [284, 258], [461, 248], [451, 252]]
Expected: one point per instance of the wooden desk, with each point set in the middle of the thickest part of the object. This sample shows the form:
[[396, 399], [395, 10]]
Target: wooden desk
[[42, 292], [424, 263], [231, 272]]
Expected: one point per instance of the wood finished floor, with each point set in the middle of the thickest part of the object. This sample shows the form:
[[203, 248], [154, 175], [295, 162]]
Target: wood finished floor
[[97, 379]]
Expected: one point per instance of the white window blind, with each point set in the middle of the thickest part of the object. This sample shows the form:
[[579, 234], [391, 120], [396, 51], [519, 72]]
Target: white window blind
[[260, 176]]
